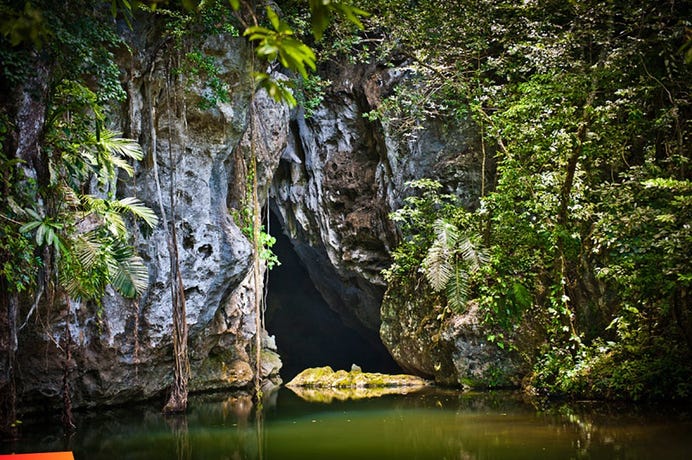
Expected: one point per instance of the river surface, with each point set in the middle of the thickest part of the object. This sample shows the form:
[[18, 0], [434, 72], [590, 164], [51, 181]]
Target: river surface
[[432, 424]]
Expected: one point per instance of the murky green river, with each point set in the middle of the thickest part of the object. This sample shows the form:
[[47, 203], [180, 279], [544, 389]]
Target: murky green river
[[433, 424]]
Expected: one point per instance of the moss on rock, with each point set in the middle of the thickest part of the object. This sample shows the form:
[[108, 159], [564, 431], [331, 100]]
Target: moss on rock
[[326, 377]]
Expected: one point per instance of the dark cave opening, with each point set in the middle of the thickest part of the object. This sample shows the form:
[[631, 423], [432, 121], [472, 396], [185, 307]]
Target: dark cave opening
[[308, 333]]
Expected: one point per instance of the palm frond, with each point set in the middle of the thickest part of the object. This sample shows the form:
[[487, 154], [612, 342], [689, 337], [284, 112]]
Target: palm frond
[[124, 165], [112, 143], [87, 249], [94, 204], [71, 284], [437, 267], [115, 223], [128, 274], [439, 261], [82, 272], [446, 233], [136, 207], [472, 254]]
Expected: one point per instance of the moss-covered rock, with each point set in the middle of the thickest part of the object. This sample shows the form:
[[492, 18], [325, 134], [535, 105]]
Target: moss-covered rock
[[326, 377]]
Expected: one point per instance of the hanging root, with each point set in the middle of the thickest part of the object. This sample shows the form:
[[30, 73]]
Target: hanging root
[[67, 418]]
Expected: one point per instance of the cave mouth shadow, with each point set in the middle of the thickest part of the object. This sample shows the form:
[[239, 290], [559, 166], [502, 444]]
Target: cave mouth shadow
[[308, 333]]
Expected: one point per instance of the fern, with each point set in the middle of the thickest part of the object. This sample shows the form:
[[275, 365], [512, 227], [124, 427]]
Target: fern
[[448, 262], [438, 265], [457, 289]]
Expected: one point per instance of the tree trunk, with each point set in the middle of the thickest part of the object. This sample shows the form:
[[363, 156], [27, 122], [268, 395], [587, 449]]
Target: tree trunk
[[67, 418], [8, 351], [561, 269], [256, 269], [179, 391]]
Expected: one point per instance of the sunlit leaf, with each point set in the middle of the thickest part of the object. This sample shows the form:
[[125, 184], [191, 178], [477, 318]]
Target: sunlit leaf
[[136, 207], [128, 274]]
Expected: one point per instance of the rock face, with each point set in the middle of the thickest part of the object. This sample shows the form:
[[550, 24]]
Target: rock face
[[341, 177], [202, 155], [451, 348]]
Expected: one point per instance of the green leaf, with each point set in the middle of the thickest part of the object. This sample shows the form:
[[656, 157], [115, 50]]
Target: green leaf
[[321, 12], [277, 90], [257, 32], [190, 5], [320, 16], [128, 274], [40, 233], [135, 206], [457, 289], [29, 226], [521, 295], [273, 18]]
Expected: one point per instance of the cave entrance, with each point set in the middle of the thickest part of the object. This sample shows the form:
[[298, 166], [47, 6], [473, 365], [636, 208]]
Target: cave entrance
[[308, 333]]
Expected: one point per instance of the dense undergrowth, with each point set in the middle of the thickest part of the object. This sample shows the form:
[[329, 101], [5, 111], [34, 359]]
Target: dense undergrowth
[[583, 220]]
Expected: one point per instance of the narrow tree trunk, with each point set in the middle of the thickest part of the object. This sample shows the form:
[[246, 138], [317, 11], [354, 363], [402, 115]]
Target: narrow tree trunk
[[8, 341], [256, 269], [179, 391], [563, 212]]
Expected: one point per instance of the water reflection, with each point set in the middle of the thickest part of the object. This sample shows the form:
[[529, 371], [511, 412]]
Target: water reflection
[[432, 423], [181, 435], [328, 395]]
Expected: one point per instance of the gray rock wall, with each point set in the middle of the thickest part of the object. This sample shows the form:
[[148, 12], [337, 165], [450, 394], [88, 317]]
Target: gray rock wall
[[124, 352]]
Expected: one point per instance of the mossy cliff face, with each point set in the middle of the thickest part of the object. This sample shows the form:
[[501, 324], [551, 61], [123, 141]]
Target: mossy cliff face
[[426, 339]]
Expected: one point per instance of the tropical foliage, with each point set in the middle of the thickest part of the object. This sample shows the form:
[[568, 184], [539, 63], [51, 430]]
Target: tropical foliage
[[585, 106]]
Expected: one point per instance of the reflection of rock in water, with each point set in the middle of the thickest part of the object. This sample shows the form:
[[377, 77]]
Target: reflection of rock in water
[[327, 395]]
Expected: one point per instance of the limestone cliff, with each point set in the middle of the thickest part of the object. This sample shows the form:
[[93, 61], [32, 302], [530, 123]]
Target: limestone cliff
[[124, 351]]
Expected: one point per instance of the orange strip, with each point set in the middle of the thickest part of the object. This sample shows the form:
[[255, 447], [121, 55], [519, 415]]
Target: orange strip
[[42, 456]]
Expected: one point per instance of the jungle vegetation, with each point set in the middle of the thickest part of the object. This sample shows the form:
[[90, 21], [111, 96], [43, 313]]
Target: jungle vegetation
[[581, 233], [584, 215]]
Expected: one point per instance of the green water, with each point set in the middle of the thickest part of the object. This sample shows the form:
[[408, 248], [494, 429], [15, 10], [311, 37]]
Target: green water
[[435, 424]]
